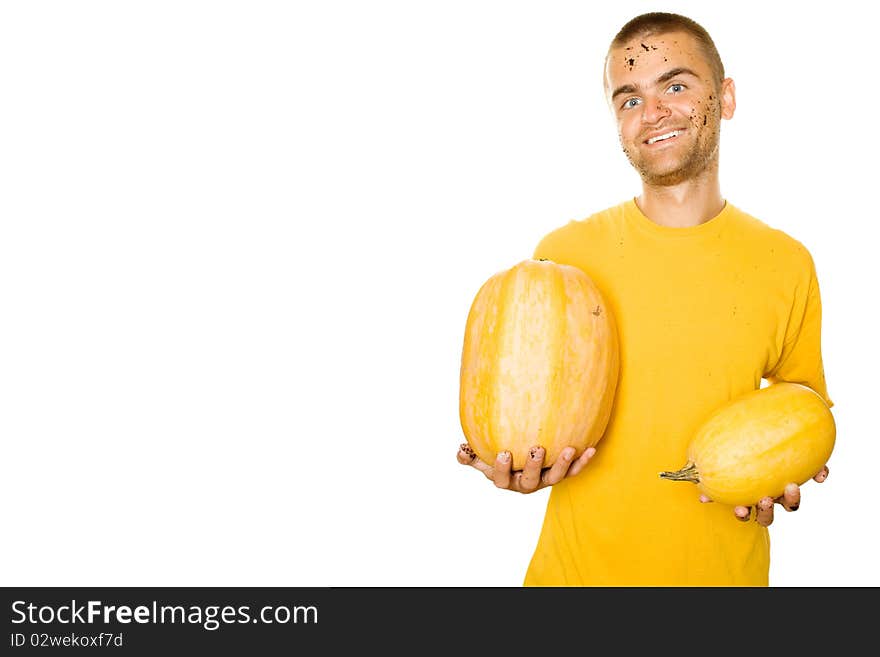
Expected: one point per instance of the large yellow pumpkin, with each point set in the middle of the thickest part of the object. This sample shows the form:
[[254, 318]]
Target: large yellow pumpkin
[[755, 445], [539, 364]]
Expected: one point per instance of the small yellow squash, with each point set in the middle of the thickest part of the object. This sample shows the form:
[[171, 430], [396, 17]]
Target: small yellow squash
[[755, 445]]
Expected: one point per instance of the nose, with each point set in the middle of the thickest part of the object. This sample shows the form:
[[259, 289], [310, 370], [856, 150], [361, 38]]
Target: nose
[[654, 111]]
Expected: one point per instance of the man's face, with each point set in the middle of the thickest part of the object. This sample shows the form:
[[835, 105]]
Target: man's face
[[664, 84]]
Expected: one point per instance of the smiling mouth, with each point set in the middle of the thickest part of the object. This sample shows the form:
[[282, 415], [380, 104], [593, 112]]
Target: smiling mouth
[[666, 136]]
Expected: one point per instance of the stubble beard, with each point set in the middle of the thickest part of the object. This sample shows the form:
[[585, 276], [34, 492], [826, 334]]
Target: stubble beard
[[702, 156]]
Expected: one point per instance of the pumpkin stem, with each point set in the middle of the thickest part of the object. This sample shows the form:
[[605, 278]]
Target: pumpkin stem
[[687, 473]]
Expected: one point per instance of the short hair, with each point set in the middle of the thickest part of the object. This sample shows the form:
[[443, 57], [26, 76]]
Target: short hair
[[659, 22]]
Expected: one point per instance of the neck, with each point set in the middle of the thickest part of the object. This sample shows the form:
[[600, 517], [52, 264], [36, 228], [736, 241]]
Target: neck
[[688, 203]]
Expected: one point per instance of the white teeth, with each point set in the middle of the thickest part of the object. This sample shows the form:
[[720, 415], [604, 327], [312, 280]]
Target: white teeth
[[674, 133]]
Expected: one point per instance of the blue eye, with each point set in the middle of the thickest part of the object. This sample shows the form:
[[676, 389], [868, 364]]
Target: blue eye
[[628, 104], [676, 87]]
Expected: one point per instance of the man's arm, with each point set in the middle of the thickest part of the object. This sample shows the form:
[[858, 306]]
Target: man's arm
[[800, 361]]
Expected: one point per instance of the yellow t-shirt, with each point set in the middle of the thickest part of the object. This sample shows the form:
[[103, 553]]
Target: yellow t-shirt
[[703, 313]]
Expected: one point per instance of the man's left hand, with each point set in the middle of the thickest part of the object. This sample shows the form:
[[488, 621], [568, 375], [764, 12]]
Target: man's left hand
[[790, 501]]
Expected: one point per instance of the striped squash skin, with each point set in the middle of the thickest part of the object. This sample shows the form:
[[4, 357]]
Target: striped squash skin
[[539, 364], [756, 444]]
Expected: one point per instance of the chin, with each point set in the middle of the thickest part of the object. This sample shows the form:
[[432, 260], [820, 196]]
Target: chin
[[675, 173], [664, 181], [665, 178]]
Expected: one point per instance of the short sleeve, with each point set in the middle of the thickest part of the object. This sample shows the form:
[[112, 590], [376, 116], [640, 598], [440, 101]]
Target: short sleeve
[[551, 246], [800, 360]]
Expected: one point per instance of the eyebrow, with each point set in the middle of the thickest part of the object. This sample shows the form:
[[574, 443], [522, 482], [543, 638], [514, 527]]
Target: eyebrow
[[671, 73]]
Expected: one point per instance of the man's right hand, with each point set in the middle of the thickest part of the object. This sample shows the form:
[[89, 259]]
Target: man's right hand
[[532, 477]]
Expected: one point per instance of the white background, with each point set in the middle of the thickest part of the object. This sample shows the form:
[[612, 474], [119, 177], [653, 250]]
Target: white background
[[238, 242]]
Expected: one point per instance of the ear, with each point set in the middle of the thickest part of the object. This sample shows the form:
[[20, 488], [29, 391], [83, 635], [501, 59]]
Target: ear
[[728, 98]]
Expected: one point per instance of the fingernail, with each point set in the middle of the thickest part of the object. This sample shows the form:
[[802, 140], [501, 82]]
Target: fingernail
[[567, 453], [464, 447], [536, 453], [590, 452], [504, 457]]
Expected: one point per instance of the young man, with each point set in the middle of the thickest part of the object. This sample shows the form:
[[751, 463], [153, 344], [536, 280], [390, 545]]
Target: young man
[[708, 299]]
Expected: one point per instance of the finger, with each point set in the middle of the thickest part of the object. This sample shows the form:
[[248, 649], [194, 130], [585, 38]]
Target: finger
[[791, 497], [581, 462], [742, 513], [764, 511], [556, 473], [705, 499], [822, 475], [531, 472], [466, 455], [501, 474]]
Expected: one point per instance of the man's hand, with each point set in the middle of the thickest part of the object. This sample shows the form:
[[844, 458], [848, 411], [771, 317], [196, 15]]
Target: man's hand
[[532, 477], [790, 501]]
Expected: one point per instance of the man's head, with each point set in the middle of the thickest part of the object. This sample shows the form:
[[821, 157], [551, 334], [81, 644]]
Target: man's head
[[663, 75]]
